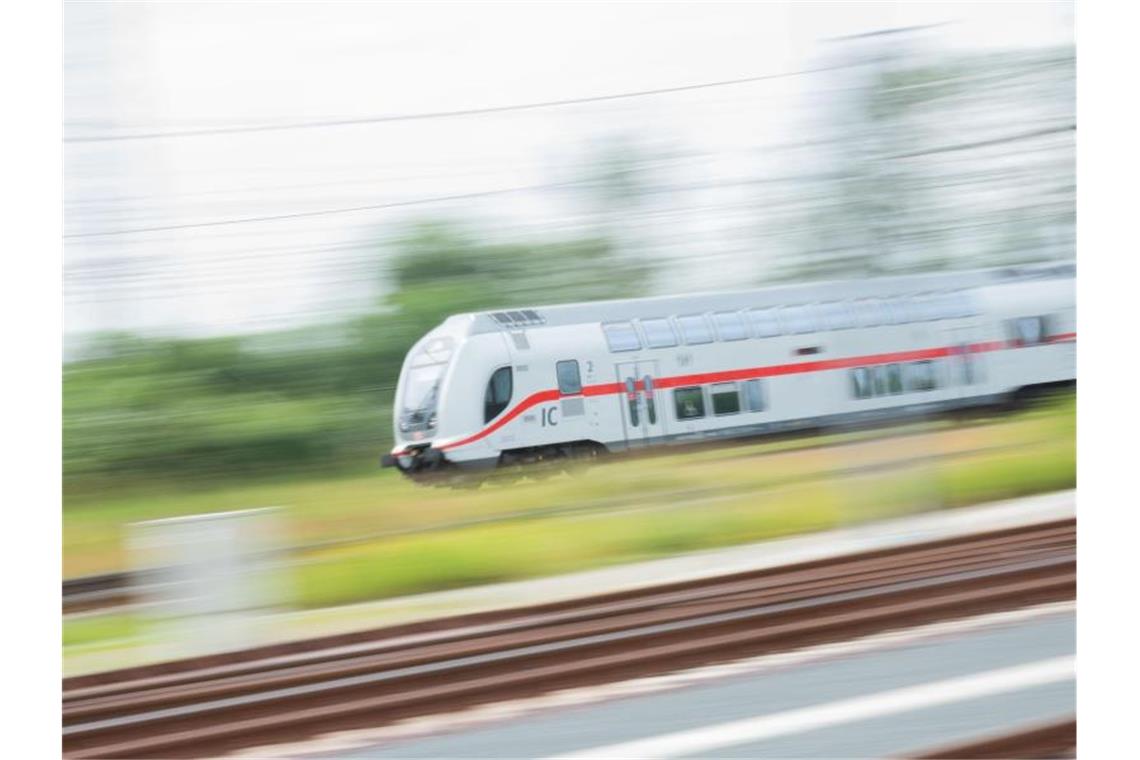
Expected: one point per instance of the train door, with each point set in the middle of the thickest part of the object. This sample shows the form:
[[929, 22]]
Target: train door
[[643, 415], [965, 369]]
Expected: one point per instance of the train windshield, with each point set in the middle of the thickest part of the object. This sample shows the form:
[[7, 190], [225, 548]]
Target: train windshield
[[420, 395]]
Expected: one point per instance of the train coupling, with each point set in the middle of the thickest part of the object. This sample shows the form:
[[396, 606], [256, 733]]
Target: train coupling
[[413, 460]]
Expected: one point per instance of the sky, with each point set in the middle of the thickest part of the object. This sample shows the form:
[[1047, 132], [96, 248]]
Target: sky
[[135, 68]]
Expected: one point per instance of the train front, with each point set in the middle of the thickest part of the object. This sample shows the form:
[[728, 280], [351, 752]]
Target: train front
[[417, 404], [438, 403]]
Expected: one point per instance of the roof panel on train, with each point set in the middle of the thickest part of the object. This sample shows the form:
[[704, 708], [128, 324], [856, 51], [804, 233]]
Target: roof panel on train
[[782, 295]]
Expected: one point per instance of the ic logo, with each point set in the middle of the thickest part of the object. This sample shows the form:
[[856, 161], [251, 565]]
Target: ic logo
[[548, 416]]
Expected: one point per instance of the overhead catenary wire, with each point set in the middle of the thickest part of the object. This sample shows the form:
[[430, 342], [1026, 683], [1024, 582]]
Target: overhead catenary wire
[[146, 272], [480, 111], [410, 202], [324, 212], [988, 142], [444, 172], [357, 269], [502, 191]]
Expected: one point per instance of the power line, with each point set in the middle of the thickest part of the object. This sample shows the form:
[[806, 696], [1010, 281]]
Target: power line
[[528, 188], [324, 212], [989, 142], [321, 124], [493, 167], [131, 274], [437, 199]]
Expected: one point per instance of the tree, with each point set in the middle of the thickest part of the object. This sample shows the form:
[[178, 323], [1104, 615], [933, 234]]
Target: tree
[[933, 162]]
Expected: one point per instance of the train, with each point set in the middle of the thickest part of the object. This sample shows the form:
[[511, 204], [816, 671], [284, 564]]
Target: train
[[501, 389]]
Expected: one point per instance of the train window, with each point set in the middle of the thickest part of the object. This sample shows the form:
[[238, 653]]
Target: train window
[[659, 333], [917, 309], [798, 319], [631, 398], [754, 395], [904, 310], [695, 329], [965, 366], [879, 380], [569, 379], [952, 305], [924, 308], [621, 337], [1027, 331], [894, 379], [966, 305], [498, 394], [837, 316], [910, 309], [764, 323], [889, 314], [867, 313], [937, 306], [730, 325], [725, 399], [434, 351], [941, 307], [921, 376], [689, 403], [861, 382], [650, 400], [931, 307], [971, 370]]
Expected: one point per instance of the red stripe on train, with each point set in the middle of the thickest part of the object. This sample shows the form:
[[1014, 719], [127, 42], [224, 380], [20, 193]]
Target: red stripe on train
[[531, 400], [749, 373]]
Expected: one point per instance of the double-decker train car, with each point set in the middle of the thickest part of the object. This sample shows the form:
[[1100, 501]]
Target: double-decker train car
[[527, 385]]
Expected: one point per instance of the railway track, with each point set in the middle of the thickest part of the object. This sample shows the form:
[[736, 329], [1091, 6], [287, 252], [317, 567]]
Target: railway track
[[1053, 740], [90, 592], [285, 693]]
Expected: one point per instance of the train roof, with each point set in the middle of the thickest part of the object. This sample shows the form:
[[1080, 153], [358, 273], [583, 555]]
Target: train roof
[[780, 295]]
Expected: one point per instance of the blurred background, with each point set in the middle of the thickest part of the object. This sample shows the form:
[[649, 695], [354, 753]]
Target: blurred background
[[266, 204]]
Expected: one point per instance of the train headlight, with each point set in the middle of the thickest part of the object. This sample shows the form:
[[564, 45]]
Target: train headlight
[[404, 426], [431, 421]]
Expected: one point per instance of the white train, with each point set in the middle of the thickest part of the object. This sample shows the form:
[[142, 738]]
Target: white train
[[526, 385]]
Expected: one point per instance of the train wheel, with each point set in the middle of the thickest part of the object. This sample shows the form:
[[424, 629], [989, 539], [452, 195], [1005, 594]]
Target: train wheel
[[579, 456]]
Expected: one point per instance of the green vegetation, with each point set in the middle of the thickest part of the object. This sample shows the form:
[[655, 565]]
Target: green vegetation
[[754, 497], [525, 549], [158, 416], [355, 507], [518, 549], [92, 629], [624, 511]]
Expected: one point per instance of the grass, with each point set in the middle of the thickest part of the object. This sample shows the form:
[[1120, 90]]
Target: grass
[[88, 629], [520, 550], [343, 508], [335, 508], [645, 508]]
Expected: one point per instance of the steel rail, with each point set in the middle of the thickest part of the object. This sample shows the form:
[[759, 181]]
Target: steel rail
[[535, 649], [1051, 740], [806, 576], [532, 651], [614, 616], [318, 715]]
